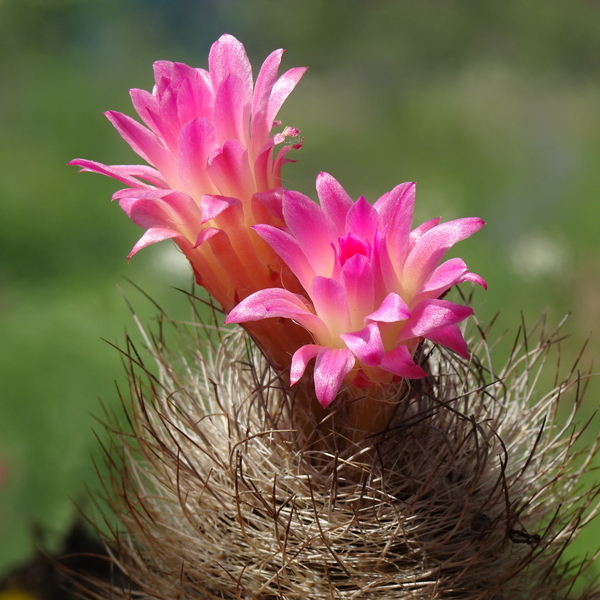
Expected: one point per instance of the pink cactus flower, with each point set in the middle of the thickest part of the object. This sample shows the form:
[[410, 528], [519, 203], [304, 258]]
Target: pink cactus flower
[[371, 285], [208, 141]]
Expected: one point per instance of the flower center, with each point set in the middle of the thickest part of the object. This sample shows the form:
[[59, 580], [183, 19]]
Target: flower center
[[351, 245]]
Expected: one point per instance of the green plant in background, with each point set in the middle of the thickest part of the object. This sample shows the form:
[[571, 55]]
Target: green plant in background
[[491, 108]]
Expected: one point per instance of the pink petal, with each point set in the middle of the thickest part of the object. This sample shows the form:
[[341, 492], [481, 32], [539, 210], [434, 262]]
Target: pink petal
[[362, 219], [146, 213], [227, 55], [195, 98], [449, 273], [288, 248], [399, 362], [474, 278], [331, 304], [392, 310], [431, 315], [313, 230], [146, 106], [261, 125], [231, 112], [197, 141], [271, 202], [300, 361], [230, 172], [282, 89], [276, 302], [152, 236], [417, 233], [356, 276], [334, 200], [212, 206], [452, 338], [432, 246], [396, 213], [119, 173], [366, 344], [330, 369], [144, 142]]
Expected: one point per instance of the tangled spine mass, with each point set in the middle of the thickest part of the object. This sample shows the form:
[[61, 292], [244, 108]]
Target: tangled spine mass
[[470, 493]]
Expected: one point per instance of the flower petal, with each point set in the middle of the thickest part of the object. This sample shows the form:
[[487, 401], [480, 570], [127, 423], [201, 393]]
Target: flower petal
[[366, 345], [392, 310], [331, 304], [452, 338], [282, 89], [152, 236], [313, 230], [396, 210], [334, 200], [400, 362], [330, 369], [228, 55], [431, 247], [275, 302], [230, 171], [288, 248], [145, 143], [430, 315], [362, 219], [197, 141]]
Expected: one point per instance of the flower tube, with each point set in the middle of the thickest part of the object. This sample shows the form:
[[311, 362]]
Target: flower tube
[[372, 286]]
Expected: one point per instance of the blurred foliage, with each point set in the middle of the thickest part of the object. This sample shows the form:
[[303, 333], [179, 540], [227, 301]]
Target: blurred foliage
[[492, 107]]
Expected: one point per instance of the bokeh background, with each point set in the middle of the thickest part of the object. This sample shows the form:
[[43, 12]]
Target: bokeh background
[[492, 107]]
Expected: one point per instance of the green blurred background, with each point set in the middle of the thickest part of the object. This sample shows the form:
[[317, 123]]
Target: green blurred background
[[492, 106]]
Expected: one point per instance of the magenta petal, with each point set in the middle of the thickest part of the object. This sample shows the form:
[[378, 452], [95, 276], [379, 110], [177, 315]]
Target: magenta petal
[[331, 304], [197, 141], [430, 315], [449, 273], [392, 310], [399, 362], [444, 277], [396, 213], [271, 200], [282, 89], [474, 278], [212, 206], [152, 236], [144, 142], [300, 361], [261, 125], [231, 112], [290, 252], [146, 213], [275, 302], [313, 230], [362, 219], [120, 173], [227, 55], [432, 246], [417, 233], [195, 98], [366, 344], [330, 369], [229, 170], [358, 280], [146, 106], [452, 338], [334, 200]]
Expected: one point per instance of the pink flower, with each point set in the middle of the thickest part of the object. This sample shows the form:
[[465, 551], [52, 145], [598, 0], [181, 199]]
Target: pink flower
[[371, 285], [208, 141]]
